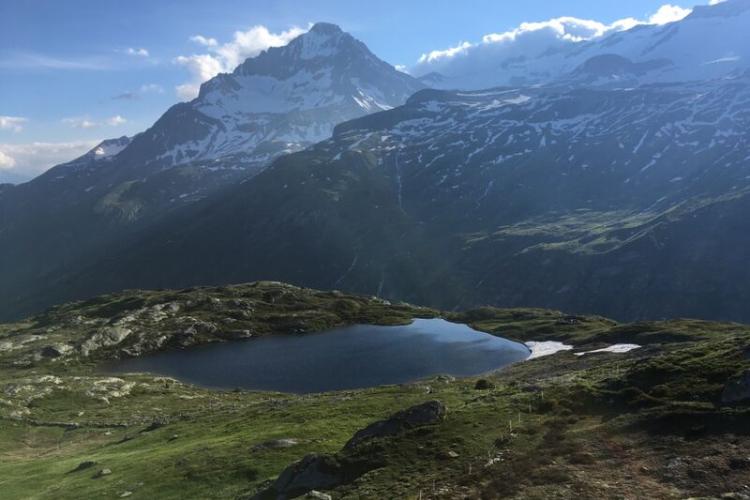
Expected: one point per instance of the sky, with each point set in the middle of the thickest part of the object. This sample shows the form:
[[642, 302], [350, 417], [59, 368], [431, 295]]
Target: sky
[[76, 72]]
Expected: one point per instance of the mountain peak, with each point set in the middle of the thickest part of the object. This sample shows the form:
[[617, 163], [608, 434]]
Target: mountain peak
[[326, 29]]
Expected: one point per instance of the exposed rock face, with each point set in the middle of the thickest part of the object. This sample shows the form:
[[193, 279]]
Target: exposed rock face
[[315, 471], [737, 390], [427, 413], [109, 336]]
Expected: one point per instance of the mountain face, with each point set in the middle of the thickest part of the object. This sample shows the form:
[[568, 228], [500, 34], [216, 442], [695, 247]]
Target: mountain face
[[595, 192], [628, 202], [709, 43], [278, 102]]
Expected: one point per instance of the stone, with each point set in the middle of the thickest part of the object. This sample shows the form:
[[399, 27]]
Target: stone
[[316, 472], [276, 444], [84, 465], [106, 337], [318, 495], [737, 390], [102, 473], [483, 385], [428, 413]]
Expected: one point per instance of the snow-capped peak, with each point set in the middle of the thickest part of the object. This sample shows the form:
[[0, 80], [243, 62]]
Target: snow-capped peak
[[281, 100], [320, 41], [109, 148]]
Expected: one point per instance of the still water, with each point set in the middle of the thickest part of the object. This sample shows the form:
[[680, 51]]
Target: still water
[[342, 358]]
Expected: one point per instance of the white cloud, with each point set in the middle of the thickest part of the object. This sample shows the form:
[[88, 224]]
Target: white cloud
[[6, 161], [668, 14], [714, 2], [115, 121], [202, 40], [132, 95], [152, 87], [223, 58], [13, 123], [436, 55], [532, 39], [30, 60], [26, 161], [79, 122], [140, 52], [85, 122]]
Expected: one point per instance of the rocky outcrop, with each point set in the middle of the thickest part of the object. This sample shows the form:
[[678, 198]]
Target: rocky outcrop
[[324, 472], [737, 390], [428, 413], [315, 472], [106, 337]]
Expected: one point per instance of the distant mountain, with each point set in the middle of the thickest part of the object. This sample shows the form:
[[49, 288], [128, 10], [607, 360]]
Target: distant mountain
[[281, 101], [628, 202], [709, 43], [9, 177]]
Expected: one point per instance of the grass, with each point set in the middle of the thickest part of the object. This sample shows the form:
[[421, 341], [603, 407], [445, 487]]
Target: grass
[[647, 424]]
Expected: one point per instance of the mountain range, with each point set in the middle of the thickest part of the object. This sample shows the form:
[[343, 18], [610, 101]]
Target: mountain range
[[619, 186], [646, 53]]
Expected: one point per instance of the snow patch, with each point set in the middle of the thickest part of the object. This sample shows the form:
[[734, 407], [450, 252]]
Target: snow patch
[[616, 348], [546, 348]]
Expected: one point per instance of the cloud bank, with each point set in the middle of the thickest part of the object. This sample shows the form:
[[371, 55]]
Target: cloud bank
[[84, 122], [532, 39], [12, 123], [223, 58], [22, 162]]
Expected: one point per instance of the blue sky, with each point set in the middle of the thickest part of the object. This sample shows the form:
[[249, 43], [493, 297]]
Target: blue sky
[[74, 72]]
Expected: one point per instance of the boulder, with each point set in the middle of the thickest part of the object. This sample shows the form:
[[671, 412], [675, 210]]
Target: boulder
[[106, 337], [483, 385], [316, 472], [428, 413], [737, 390], [276, 444], [318, 495], [83, 466], [102, 473]]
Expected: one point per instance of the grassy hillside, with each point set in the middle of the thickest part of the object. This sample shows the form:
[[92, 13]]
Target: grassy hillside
[[653, 423]]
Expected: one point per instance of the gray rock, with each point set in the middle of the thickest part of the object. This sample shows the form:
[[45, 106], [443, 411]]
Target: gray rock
[[737, 390], [276, 444], [102, 473], [312, 472], [55, 350], [318, 495], [317, 472], [106, 337], [84, 465], [483, 385], [428, 413]]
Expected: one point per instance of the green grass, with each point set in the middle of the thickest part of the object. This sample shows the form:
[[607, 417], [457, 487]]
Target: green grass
[[597, 426]]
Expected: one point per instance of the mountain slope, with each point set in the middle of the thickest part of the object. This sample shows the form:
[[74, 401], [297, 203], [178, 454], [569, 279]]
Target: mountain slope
[[675, 52], [585, 199], [278, 102]]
